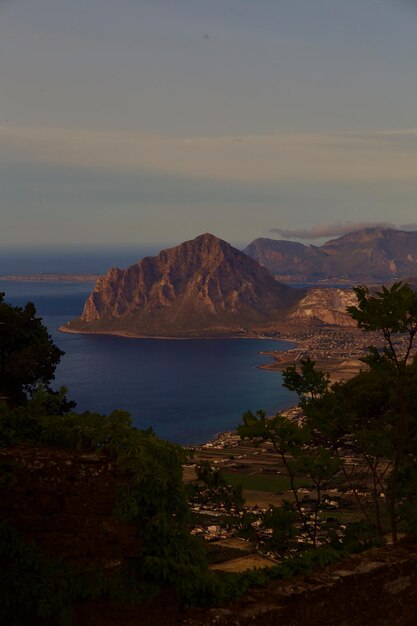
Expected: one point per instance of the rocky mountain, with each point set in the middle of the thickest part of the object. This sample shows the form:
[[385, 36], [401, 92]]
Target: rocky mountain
[[369, 255], [326, 305], [287, 260], [203, 286]]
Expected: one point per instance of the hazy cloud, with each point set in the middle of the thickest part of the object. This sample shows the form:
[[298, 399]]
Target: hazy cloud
[[335, 229], [351, 157]]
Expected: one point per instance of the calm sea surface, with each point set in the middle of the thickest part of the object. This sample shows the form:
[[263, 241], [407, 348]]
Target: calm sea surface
[[187, 390]]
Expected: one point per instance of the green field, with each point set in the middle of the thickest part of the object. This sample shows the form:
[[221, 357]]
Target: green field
[[262, 482]]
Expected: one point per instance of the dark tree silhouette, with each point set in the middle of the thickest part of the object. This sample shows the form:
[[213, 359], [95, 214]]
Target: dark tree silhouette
[[28, 356], [373, 416]]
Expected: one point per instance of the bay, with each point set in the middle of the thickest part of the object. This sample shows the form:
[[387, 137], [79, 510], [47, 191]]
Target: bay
[[186, 390]]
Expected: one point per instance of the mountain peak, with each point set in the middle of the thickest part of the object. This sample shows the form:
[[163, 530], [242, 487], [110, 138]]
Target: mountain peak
[[207, 237], [202, 285], [205, 243]]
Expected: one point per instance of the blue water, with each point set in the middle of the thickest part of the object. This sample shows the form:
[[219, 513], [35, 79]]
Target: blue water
[[70, 260], [187, 390]]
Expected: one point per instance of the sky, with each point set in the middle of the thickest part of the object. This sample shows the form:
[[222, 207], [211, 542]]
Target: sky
[[146, 122]]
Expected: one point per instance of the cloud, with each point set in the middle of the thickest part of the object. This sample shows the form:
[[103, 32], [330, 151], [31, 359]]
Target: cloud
[[367, 157], [335, 229]]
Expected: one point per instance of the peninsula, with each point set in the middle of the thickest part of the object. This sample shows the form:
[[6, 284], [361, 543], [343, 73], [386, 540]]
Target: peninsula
[[207, 288], [202, 287]]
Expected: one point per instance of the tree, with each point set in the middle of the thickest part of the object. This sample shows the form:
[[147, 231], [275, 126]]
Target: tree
[[372, 416], [393, 311], [28, 356], [281, 522], [36, 589], [300, 451]]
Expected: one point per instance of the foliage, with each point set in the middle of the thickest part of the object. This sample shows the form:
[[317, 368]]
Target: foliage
[[213, 487], [281, 521], [155, 499], [78, 431], [284, 435], [272, 530], [48, 401], [34, 588], [373, 416], [309, 383], [39, 590], [28, 355], [226, 586], [293, 445], [392, 311]]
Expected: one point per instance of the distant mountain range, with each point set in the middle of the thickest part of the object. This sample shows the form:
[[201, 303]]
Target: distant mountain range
[[203, 286], [371, 255]]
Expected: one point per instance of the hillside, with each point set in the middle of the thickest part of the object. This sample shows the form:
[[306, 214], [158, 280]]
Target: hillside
[[370, 255], [203, 286], [326, 305]]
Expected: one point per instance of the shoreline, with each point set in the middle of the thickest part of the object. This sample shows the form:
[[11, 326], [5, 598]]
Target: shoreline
[[225, 438], [340, 367], [336, 350], [120, 333], [338, 370]]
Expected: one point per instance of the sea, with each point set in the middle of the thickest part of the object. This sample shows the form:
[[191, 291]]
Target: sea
[[188, 391]]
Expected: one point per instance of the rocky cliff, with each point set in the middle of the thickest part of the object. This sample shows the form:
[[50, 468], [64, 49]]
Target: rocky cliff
[[369, 255], [201, 286], [327, 306]]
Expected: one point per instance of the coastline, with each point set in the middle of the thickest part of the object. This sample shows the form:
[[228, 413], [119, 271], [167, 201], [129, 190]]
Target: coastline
[[340, 367], [120, 333], [335, 349], [337, 370], [228, 437]]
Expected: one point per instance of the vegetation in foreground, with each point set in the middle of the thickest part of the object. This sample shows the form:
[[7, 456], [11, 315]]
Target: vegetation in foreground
[[363, 430], [372, 417]]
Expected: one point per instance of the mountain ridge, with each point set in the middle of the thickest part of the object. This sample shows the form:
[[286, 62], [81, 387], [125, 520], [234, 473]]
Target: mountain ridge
[[201, 286], [367, 255]]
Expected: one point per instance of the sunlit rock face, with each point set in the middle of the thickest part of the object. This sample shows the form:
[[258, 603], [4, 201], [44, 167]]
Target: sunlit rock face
[[326, 305], [201, 285]]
